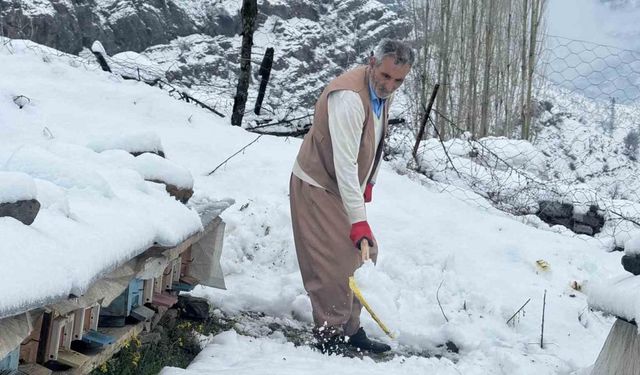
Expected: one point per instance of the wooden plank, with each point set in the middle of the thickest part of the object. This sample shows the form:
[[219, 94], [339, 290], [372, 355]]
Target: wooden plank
[[68, 332], [34, 369], [55, 339], [29, 351], [174, 252], [96, 338], [157, 284], [94, 316], [45, 333], [165, 300], [167, 276], [121, 335], [142, 313], [78, 323], [177, 264], [147, 294], [71, 358]]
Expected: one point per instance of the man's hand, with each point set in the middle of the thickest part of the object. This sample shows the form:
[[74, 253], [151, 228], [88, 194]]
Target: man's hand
[[368, 193], [361, 231]]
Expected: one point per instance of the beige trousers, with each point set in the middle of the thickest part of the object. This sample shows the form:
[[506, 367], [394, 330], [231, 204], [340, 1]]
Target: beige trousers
[[326, 256]]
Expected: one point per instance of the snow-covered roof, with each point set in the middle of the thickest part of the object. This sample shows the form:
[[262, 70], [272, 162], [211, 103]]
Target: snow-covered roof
[[97, 208]]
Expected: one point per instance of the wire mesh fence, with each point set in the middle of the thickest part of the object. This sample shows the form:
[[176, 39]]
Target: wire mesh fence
[[580, 168]]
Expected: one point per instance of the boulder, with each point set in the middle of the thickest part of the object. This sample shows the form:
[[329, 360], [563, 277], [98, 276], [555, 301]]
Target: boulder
[[193, 308], [25, 210], [555, 209], [631, 263]]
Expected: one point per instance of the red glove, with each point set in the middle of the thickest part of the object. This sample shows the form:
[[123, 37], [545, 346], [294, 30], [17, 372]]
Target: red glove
[[368, 193], [359, 232]]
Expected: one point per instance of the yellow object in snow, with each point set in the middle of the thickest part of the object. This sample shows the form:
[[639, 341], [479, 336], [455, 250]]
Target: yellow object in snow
[[542, 264], [358, 293]]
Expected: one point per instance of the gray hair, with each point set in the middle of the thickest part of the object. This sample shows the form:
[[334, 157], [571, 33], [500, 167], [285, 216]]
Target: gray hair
[[400, 50]]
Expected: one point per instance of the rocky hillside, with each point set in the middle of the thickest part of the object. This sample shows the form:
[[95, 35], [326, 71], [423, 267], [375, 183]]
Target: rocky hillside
[[121, 25], [196, 41]]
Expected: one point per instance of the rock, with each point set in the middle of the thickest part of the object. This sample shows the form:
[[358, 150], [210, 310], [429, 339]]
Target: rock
[[582, 229], [631, 263], [452, 347], [24, 211], [193, 308], [183, 195], [555, 209], [70, 26], [21, 101], [587, 219], [150, 338], [559, 221], [138, 153]]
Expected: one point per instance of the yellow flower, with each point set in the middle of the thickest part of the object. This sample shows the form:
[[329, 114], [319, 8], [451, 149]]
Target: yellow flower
[[136, 359], [103, 367]]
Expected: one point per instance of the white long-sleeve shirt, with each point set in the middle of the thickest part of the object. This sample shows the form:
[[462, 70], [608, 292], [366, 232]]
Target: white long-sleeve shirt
[[346, 119]]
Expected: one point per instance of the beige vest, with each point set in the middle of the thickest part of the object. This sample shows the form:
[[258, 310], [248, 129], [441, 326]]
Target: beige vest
[[316, 153]]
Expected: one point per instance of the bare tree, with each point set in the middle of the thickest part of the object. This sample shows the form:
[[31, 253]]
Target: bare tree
[[249, 13], [484, 54]]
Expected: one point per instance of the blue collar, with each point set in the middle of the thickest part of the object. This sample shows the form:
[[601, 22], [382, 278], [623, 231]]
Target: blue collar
[[376, 102]]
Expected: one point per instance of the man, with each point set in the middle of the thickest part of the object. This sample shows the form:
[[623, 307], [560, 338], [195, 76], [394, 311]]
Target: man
[[332, 178]]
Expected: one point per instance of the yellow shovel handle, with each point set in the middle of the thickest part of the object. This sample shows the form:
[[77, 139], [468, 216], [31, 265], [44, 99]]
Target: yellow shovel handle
[[358, 293]]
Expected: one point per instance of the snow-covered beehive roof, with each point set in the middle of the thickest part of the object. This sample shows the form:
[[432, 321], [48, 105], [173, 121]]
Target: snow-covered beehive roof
[[97, 209]]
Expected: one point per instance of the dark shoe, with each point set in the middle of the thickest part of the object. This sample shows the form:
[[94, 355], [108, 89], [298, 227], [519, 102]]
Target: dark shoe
[[335, 345], [360, 341]]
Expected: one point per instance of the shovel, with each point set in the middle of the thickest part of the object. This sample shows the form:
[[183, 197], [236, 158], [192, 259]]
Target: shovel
[[364, 250]]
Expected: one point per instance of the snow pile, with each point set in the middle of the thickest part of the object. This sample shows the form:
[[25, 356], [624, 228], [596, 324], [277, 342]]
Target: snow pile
[[632, 246], [619, 296], [155, 168], [379, 292], [96, 211], [16, 187], [134, 65], [59, 170], [97, 47], [132, 142], [274, 355]]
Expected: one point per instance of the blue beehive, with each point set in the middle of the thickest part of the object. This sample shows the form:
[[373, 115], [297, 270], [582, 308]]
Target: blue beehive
[[116, 313], [10, 362]]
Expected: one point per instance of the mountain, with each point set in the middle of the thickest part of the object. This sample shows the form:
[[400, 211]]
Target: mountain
[[196, 42]]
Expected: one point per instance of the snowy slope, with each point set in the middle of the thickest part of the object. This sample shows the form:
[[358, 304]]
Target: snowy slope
[[482, 261]]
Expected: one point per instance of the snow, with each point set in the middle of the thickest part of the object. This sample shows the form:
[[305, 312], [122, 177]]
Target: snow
[[95, 213], [131, 142], [16, 187], [618, 296], [632, 246], [437, 242], [134, 65], [155, 168], [64, 172], [37, 7], [275, 355], [97, 47]]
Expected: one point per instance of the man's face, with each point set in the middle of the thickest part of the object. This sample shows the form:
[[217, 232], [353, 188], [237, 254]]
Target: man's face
[[386, 77]]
